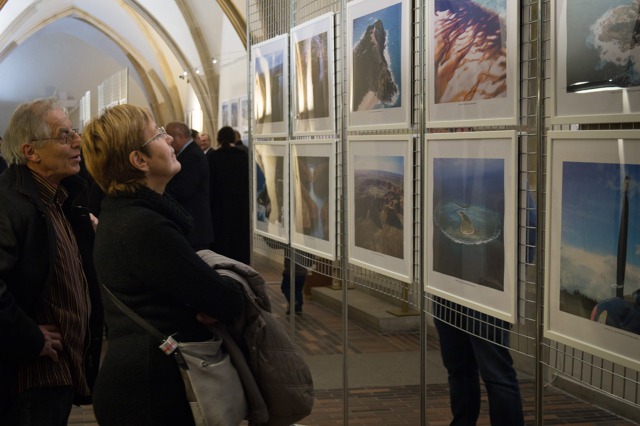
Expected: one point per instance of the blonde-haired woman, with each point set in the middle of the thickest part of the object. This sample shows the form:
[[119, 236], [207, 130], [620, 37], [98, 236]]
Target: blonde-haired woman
[[142, 256]]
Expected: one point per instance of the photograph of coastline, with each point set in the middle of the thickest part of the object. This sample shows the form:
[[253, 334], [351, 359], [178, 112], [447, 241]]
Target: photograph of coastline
[[312, 68], [313, 197], [270, 191], [270, 86], [597, 61], [593, 240], [471, 220], [380, 216], [472, 73], [379, 63]]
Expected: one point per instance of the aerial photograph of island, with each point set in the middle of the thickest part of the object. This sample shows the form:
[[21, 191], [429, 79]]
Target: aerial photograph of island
[[603, 43], [377, 60], [468, 216]]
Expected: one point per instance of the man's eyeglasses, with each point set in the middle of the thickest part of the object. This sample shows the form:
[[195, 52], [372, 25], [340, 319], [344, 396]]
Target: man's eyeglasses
[[66, 136], [161, 132]]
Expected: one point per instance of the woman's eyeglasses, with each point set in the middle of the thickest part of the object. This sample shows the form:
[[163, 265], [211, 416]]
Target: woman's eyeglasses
[[161, 132]]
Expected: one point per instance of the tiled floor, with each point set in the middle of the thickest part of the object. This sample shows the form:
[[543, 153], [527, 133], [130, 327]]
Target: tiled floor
[[319, 332]]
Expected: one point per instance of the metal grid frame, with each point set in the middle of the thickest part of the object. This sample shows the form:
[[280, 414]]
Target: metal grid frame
[[546, 359]]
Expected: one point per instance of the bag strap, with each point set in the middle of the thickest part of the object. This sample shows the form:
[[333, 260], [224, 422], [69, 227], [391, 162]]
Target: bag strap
[[137, 318]]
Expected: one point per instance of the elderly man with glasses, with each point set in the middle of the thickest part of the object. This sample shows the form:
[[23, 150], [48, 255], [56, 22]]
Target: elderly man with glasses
[[50, 308]]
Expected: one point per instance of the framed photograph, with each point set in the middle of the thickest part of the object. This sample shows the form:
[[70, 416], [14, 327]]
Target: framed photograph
[[379, 64], [380, 198], [592, 289], [269, 70], [471, 221], [312, 82], [472, 63], [225, 118], [243, 114], [271, 190], [313, 192], [595, 59]]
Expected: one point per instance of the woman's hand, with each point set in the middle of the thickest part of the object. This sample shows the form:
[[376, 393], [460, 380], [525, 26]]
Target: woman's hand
[[52, 342]]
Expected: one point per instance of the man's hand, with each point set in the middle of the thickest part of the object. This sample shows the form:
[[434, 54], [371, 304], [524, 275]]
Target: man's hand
[[52, 341]]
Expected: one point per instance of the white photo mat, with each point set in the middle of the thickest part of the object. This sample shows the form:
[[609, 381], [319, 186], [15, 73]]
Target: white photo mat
[[589, 63], [470, 216], [270, 80], [318, 161], [369, 113], [313, 91], [271, 176], [582, 235], [479, 87], [380, 201]]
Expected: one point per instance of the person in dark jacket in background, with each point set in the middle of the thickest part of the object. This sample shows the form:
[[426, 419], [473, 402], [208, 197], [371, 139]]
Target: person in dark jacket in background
[[51, 317], [229, 186], [190, 187], [143, 257]]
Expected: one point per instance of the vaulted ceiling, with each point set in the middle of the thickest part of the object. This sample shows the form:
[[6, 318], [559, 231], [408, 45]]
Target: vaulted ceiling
[[66, 47]]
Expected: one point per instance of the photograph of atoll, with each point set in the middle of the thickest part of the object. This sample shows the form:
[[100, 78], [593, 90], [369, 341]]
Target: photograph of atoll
[[597, 61], [379, 200], [379, 62], [593, 287], [473, 57], [270, 86], [312, 69], [471, 220], [313, 197], [271, 190]]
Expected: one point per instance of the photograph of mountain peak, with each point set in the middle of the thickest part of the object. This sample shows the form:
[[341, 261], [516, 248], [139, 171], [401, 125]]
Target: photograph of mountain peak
[[377, 60]]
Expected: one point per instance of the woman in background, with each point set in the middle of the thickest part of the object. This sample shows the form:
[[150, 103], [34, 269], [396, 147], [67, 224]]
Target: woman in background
[[142, 256]]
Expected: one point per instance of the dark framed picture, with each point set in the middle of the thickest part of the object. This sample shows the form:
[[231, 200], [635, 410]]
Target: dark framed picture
[[592, 290]]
